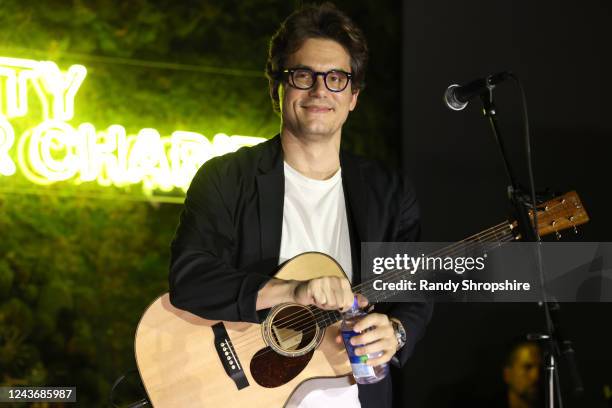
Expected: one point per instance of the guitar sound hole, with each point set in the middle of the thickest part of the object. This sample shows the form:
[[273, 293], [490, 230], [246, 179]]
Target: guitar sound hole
[[293, 328]]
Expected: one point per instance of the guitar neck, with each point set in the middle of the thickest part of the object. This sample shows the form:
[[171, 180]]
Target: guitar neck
[[499, 234], [475, 245]]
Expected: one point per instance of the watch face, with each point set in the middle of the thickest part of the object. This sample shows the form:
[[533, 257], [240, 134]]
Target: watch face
[[400, 333]]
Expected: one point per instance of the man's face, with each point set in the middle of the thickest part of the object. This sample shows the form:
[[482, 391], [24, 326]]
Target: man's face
[[523, 375], [317, 113]]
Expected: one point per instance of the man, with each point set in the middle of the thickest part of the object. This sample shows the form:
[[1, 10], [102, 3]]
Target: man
[[522, 375], [249, 211]]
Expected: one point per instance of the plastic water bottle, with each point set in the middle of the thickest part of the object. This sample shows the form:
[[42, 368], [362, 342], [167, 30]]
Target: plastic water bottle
[[363, 373]]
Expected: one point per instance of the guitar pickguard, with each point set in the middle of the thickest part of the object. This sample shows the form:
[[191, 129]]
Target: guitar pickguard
[[270, 369]]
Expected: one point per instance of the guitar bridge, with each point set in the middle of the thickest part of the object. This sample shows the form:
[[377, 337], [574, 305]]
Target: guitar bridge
[[229, 358]]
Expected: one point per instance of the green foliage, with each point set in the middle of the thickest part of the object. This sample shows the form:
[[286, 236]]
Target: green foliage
[[75, 276]]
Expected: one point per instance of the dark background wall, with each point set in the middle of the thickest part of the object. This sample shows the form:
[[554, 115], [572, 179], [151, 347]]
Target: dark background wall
[[561, 51]]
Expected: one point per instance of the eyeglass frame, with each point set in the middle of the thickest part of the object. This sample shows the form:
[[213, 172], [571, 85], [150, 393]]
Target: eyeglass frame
[[314, 75]]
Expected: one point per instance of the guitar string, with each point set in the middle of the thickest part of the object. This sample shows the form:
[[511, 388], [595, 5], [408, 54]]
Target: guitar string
[[451, 248], [373, 295], [335, 319], [326, 318], [554, 209], [325, 313], [356, 288], [312, 327], [294, 319], [503, 225]]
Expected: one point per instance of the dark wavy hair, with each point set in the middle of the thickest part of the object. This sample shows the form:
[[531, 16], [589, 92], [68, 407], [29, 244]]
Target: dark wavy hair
[[315, 21]]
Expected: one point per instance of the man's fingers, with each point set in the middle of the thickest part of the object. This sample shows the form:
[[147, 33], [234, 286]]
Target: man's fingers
[[362, 300], [335, 291], [373, 362], [372, 348], [342, 298], [373, 319], [328, 292], [365, 338], [347, 295], [384, 346], [331, 292], [370, 336]]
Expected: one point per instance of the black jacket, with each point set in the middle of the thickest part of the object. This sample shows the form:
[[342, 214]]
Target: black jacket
[[227, 243]]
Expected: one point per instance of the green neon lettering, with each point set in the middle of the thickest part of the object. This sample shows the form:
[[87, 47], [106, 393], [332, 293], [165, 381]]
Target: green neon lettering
[[147, 161], [105, 154], [61, 87], [7, 138], [49, 152], [55, 151], [15, 74], [188, 151]]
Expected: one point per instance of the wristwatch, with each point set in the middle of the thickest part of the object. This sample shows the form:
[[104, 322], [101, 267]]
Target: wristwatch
[[400, 332]]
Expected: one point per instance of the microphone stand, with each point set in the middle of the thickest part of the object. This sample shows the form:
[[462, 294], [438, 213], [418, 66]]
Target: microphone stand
[[518, 201], [520, 206]]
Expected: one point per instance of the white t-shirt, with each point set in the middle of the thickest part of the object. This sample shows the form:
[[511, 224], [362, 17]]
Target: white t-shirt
[[314, 219]]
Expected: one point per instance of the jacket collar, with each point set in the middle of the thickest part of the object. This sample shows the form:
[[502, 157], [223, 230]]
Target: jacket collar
[[354, 183], [355, 194], [271, 161], [271, 194]]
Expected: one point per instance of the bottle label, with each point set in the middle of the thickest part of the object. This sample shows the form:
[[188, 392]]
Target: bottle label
[[362, 370], [358, 363]]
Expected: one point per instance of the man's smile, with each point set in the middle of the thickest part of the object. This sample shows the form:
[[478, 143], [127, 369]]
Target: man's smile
[[317, 108]]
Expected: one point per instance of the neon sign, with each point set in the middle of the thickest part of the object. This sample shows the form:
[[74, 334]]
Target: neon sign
[[56, 151]]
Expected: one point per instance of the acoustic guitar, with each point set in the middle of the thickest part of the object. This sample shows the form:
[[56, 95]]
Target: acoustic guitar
[[187, 361]]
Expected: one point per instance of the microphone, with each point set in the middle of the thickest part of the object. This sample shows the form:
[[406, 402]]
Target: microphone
[[457, 97]]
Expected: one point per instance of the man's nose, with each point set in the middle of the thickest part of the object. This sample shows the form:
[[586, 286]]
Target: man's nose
[[318, 87]]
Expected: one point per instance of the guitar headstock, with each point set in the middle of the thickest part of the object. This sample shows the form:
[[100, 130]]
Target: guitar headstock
[[560, 213]]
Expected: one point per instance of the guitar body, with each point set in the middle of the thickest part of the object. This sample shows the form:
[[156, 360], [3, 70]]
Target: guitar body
[[180, 362]]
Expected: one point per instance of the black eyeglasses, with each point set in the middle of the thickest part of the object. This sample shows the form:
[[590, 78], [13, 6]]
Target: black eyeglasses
[[305, 78]]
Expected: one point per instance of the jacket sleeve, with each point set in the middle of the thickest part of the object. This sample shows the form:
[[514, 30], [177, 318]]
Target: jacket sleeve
[[416, 315], [204, 277]]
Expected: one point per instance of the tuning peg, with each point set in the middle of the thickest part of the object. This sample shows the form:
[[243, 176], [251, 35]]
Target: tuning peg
[[557, 235], [571, 219]]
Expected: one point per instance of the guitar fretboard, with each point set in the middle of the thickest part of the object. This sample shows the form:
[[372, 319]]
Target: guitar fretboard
[[476, 244]]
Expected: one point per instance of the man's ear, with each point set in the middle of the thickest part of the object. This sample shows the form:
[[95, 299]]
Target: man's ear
[[275, 94], [354, 97]]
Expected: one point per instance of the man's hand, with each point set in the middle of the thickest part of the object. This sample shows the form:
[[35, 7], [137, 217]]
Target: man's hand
[[379, 338], [327, 292]]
